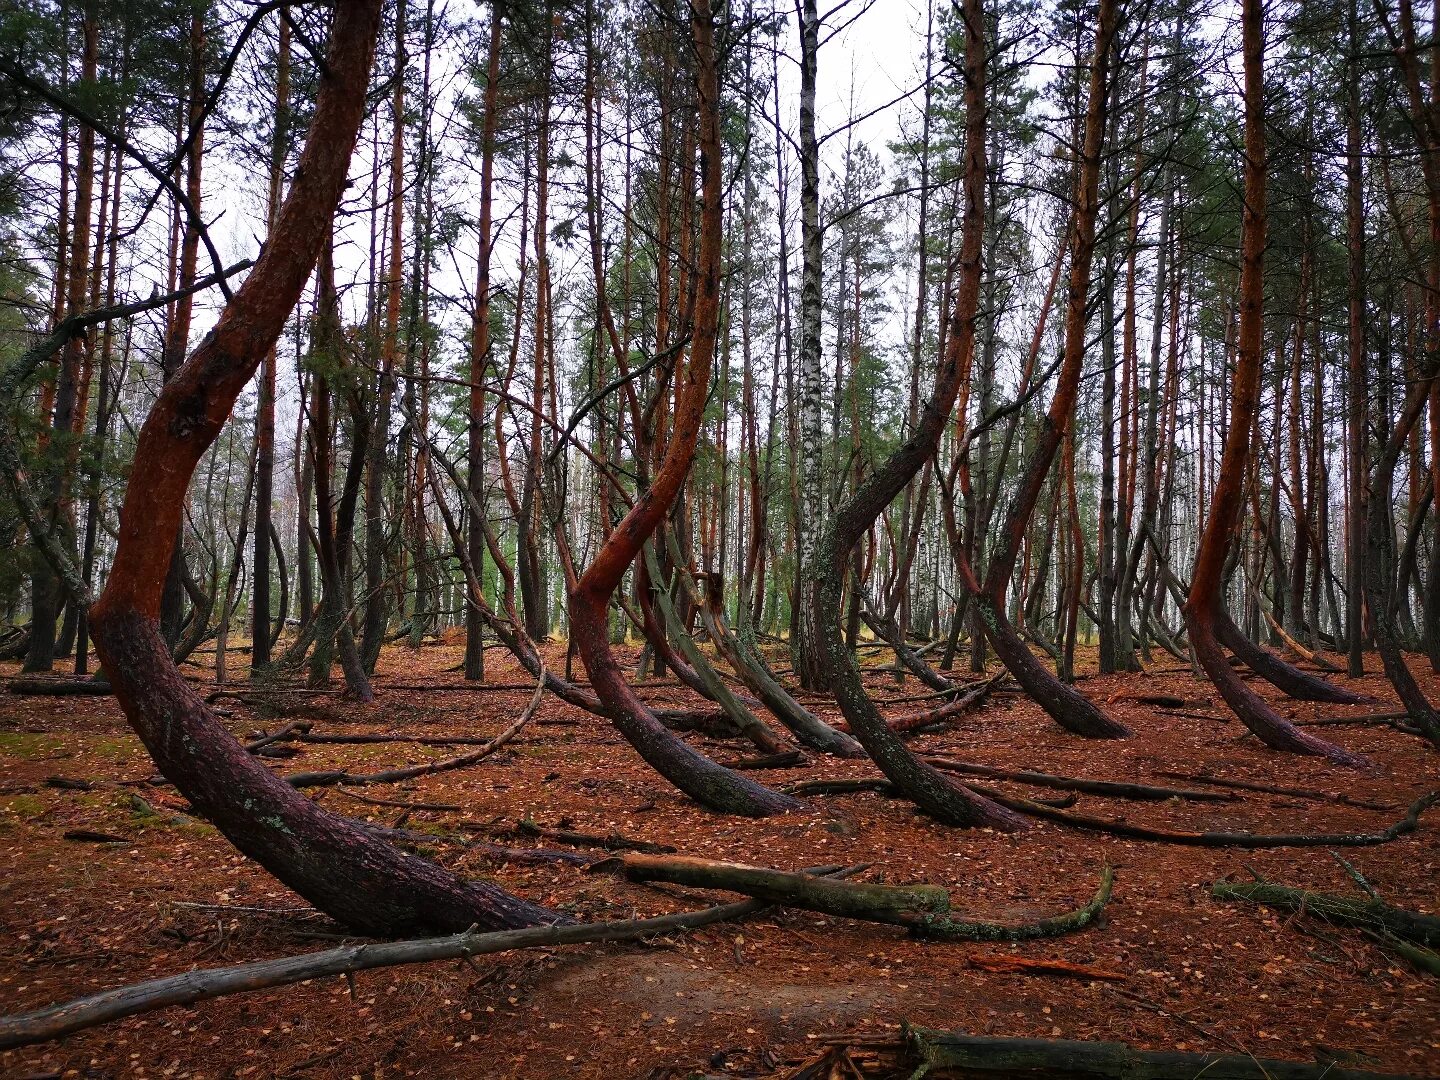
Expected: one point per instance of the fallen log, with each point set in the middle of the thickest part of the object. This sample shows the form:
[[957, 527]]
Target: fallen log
[[59, 687], [1114, 789], [850, 899], [925, 717], [923, 909], [1406, 824], [40, 1025], [1274, 789], [1369, 914], [943, 1054]]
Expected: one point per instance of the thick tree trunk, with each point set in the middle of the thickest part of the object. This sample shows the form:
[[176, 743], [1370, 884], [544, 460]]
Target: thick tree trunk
[[712, 785], [1204, 617], [933, 792], [358, 879]]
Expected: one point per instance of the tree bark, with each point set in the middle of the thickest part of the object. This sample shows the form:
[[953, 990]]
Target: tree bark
[[712, 785], [356, 878], [1204, 617]]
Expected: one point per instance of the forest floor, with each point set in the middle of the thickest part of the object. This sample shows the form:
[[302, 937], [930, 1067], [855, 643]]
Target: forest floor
[[753, 998]]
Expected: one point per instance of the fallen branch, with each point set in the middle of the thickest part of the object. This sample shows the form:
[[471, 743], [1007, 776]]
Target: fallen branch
[[923, 909], [56, 1021], [414, 838], [1146, 792], [1405, 825], [1272, 789], [613, 842], [392, 776], [925, 717], [437, 807], [60, 687], [1375, 916], [289, 731]]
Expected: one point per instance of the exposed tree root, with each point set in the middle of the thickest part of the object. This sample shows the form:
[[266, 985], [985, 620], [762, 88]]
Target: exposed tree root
[[1273, 789], [1144, 792], [1369, 914], [612, 842], [392, 776]]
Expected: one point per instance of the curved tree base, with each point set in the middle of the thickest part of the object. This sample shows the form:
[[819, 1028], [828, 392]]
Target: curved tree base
[[931, 790], [1264, 722], [1284, 676], [359, 880], [709, 783], [1065, 705]]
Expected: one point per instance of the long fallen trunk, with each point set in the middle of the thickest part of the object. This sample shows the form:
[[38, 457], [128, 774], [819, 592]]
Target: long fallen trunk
[[956, 1054]]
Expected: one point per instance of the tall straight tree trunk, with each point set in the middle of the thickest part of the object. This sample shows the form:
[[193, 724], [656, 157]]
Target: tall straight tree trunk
[[265, 408], [46, 590], [1204, 614], [806, 648], [480, 348], [1358, 392], [376, 617]]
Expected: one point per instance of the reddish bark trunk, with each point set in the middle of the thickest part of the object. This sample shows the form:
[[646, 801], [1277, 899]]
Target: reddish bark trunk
[[709, 783], [348, 873], [1204, 616]]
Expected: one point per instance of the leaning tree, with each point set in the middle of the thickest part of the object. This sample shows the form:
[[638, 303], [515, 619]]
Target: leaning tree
[[344, 870]]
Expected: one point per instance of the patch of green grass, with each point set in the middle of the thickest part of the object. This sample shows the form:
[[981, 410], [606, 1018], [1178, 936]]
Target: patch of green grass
[[22, 745], [112, 749], [25, 806]]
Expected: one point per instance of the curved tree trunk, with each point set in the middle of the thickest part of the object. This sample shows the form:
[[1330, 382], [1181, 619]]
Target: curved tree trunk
[[931, 790], [1204, 615], [356, 878], [1381, 593], [1283, 675], [1066, 705], [711, 784]]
